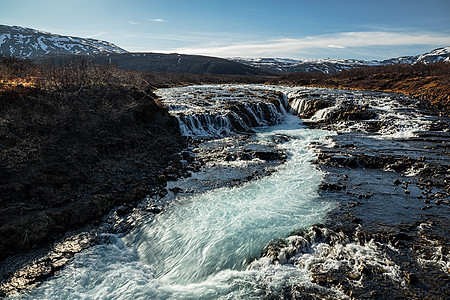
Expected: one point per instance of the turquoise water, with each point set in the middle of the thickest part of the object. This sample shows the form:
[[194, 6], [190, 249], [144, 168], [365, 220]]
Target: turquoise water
[[207, 246]]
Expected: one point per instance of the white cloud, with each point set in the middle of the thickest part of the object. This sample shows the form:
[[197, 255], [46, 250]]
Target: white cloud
[[332, 42], [134, 23], [158, 20], [336, 46]]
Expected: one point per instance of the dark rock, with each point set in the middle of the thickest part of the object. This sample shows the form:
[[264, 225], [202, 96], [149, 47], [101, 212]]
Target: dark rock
[[161, 179], [163, 192], [331, 186], [121, 211], [230, 157], [171, 177], [176, 190], [136, 194], [281, 138], [356, 220], [269, 155], [187, 155], [154, 209], [410, 278]]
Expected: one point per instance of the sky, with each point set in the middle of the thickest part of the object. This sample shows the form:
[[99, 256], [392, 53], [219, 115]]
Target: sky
[[298, 29]]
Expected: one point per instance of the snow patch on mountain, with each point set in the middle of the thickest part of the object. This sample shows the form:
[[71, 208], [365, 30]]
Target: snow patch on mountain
[[333, 65], [27, 42]]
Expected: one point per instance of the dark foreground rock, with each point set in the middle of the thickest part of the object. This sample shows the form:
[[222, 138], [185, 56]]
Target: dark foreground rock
[[68, 158]]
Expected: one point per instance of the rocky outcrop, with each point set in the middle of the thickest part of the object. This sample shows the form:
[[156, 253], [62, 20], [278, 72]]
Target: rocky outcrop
[[68, 158]]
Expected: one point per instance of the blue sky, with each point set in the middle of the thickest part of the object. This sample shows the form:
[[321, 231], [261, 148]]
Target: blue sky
[[364, 29]]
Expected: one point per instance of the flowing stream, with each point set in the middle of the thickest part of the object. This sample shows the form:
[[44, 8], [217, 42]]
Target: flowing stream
[[208, 245]]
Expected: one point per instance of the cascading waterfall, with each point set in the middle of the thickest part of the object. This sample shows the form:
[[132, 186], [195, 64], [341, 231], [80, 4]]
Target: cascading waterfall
[[203, 116], [207, 246]]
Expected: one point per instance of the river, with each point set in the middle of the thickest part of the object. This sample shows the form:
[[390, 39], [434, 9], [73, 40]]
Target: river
[[208, 245]]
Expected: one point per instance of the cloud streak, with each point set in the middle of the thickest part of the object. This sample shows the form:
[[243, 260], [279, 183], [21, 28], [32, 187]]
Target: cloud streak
[[159, 20], [335, 42]]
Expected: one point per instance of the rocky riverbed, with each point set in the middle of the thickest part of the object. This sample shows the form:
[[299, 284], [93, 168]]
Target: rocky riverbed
[[387, 168]]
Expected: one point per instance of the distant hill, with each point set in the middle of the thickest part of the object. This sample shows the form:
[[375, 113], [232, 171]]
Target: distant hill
[[174, 63], [26, 42], [330, 65]]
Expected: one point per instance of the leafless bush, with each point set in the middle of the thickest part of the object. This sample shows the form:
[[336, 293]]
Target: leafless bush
[[77, 74]]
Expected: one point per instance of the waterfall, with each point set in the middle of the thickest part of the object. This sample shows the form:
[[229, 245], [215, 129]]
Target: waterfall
[[227, 113], [297, 106]]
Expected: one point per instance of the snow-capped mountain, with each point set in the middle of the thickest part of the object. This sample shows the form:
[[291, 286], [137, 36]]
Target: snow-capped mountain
[[330, 65], [26, 42], [436, 55]]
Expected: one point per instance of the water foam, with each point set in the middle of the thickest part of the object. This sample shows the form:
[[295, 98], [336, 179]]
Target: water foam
[[202, 247]]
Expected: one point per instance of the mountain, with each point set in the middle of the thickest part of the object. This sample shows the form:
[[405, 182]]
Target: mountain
[[329, 65], [283, 65], [42, 46], [159, 62], [47, 47], [26, 42], [436, 55]]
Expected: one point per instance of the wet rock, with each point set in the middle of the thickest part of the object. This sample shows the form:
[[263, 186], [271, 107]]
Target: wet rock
[[163, 192], [245, 156], [154, 209], [269, 155], [121, 211], [186, 155], [170, 170], [230, 157], [374, 166], [25, 276], [319, 279], [176, 190], [332, 186], [280, 138]]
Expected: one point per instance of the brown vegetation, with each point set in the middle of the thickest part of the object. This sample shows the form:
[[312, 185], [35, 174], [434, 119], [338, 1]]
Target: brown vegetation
[[426, 82]]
